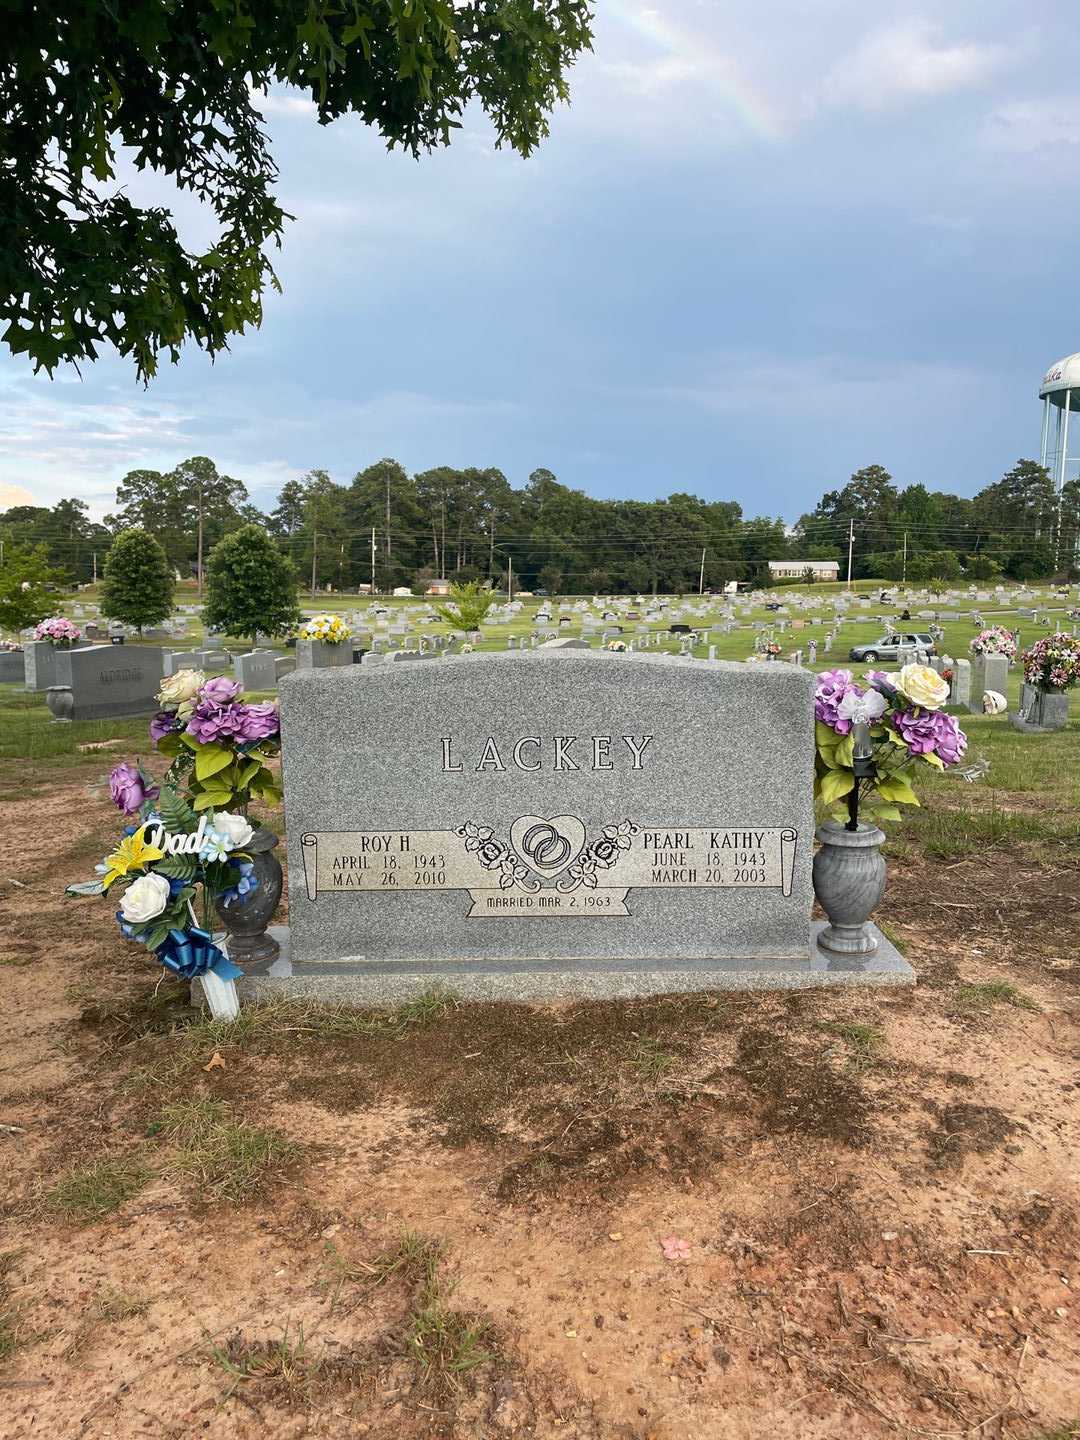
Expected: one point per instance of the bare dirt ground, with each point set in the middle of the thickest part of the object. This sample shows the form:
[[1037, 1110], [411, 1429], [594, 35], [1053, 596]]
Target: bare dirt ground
[[811, 1215]]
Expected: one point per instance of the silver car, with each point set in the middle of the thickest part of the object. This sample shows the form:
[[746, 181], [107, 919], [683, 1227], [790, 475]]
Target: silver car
[[888, 647]]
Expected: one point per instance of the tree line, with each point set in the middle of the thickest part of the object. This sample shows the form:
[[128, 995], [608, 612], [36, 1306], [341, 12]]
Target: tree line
[[394, 529]]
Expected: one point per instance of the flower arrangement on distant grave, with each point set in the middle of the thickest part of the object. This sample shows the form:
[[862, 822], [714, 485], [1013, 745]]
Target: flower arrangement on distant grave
[[58, 630], [617, 645], [330, 629], [467, 648], [994, 640], [900, 718], [1053, 663]]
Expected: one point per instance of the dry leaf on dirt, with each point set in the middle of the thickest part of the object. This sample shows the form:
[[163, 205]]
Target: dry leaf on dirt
[[215, 1062]]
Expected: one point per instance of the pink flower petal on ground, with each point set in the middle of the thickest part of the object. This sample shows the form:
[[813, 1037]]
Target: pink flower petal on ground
[[674, 1248]]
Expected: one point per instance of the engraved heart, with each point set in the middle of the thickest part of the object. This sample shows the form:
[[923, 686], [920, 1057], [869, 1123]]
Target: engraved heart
[[548, 846]]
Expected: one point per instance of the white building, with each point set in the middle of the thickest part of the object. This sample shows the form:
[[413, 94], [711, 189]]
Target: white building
[[796, 569]]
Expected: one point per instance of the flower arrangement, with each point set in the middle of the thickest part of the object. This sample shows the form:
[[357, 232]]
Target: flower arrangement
[[165, 857], [994, 640], [900, 722], [58, 629], [219, 743], [467, 648], [1053, 663], [330, 629], [617, 645]]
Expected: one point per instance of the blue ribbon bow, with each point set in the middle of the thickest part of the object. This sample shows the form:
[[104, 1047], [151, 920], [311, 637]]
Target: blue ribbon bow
[[189, 953]]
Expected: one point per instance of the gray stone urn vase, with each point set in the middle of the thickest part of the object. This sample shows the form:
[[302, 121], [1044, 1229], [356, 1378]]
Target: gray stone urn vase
[[61, 703], [849, 881], [246, 917]]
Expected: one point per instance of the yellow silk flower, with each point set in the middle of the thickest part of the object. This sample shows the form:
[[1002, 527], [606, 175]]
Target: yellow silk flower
[[133, 853]]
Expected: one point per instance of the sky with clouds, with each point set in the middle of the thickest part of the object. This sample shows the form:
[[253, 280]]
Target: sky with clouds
[[767, 243]]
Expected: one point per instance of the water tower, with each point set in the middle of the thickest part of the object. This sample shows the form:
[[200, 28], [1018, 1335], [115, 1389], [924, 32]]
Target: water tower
[[1060, 394]]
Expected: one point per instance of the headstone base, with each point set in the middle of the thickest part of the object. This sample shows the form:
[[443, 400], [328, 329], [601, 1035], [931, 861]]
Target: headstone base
[[391, 982]]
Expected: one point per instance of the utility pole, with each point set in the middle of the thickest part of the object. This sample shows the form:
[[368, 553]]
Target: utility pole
[[701, 579], [850, 548], [198, 562], [903, 580], [373, 559], [95, 560], [509, 578], [314, 555]]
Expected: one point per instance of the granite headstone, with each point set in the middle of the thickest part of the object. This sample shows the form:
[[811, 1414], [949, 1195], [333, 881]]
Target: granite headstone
[[105, 682], [552, 823]]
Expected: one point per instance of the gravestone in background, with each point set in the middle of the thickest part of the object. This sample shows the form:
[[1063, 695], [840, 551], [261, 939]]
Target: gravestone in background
[[549, 824], [988, 672], [12, 667], [175, 660], [255, 671], [316, 654], [107, 680], [41, 661]]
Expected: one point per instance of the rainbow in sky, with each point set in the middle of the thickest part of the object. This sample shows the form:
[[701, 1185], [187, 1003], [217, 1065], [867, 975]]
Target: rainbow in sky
[[749, 109]]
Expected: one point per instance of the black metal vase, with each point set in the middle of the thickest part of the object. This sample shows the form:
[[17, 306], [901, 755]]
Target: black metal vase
[[246, 917]]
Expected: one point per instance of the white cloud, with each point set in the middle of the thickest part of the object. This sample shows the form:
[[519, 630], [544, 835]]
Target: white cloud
[[909, 60], [14, 495]]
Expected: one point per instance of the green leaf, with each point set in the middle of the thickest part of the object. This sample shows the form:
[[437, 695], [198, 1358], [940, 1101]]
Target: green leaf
[[886, 812], [86, 887], [212, 799], [934, 760], [170, 744], [895, 787], [177, 814], [845, 751], [825, 734], [247, 772], [835, 785], [210, 759], [177, 867]]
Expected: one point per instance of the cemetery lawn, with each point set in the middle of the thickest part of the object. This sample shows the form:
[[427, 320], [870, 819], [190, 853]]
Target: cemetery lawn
[[702, 1217]]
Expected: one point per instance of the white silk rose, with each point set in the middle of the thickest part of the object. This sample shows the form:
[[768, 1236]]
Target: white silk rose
[[235, 828], [181, 687], [923, 686], [145, 899], [994, 703]]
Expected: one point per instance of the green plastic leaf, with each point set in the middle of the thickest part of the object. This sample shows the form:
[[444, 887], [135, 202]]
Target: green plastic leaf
[[86, 887], [212, 799], [835, 785], [210, 759], [177, 814], [177, 867], [895, 787]]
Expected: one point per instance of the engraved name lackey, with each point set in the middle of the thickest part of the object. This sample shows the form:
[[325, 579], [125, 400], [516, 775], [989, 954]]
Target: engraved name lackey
[[554, 752]]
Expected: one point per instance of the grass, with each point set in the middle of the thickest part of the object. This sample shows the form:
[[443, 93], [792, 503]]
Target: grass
[[651, 1061], [93, 1191], [984, 995], [864, 1041], [115, 1305], [9, 1314], [283, 1364], [225, 1159], [445, 1343]]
